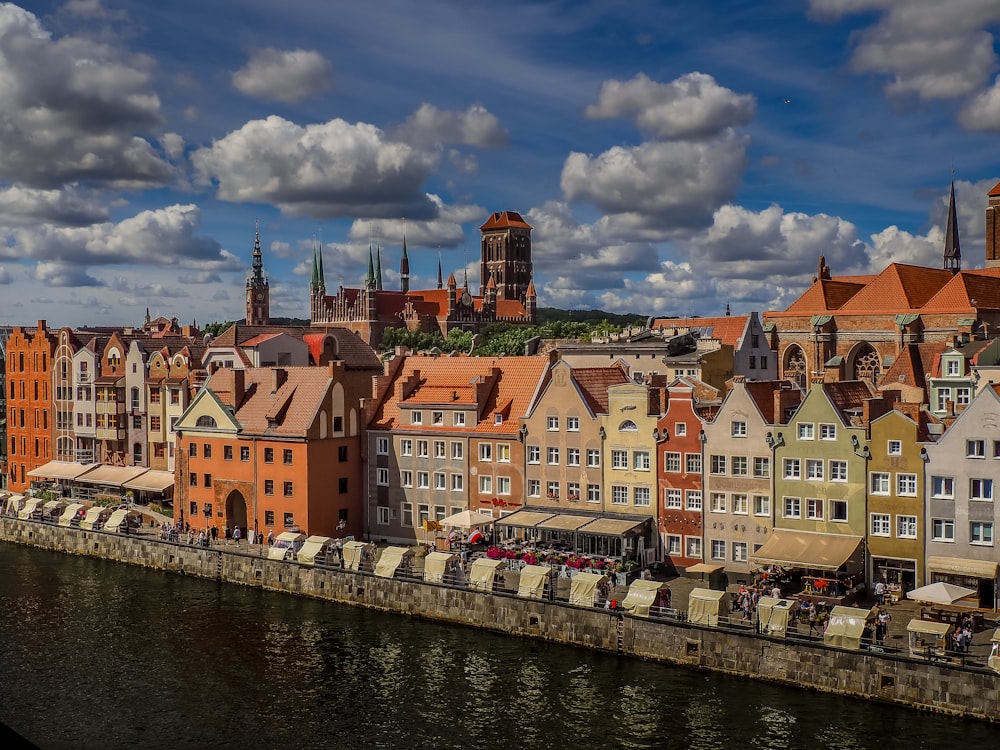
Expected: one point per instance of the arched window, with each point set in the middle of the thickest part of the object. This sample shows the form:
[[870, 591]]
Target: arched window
[[205, 421], [627, 426], [867, 364], [795, 366]]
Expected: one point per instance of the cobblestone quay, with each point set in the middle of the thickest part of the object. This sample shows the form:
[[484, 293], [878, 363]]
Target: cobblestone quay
[[891, 678]]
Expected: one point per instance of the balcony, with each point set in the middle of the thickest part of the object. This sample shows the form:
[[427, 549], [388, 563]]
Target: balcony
[[110, 407]]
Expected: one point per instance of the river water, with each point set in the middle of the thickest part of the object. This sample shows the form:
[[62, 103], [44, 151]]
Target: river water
[[95, 654]]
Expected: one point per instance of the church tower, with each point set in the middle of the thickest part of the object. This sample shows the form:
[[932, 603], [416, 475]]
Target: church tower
[[258, 288], [952, 246], [506, 255], [993, 228]]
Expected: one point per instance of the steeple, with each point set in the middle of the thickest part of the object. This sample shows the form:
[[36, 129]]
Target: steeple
[[314, 282], [404, 270], [370, 277], [952, 248], [258, 288], [378, 268], [440, 283]]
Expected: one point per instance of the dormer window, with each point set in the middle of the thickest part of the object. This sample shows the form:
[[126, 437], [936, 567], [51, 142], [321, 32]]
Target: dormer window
[[416, 417], [953, 368], [498, 419], [437, 418]]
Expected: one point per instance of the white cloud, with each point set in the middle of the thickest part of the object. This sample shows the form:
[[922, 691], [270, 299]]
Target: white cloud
[[283, 75], [445, 230], [72, 206], [982, 112], [429, 125], [327, 170], [692, 106]]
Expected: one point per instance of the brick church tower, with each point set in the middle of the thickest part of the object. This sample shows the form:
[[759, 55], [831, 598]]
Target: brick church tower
[[258, 288], [506, 257]]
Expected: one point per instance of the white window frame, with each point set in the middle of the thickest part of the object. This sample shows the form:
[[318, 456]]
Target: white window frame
[[738, 429], [879, 482], [572, 424], [947, 488], [552, 424], [906, 527], [806, 430], [827, 431], [692, 500], [791, 507], [880, 524], [906, 484], [382, 446]]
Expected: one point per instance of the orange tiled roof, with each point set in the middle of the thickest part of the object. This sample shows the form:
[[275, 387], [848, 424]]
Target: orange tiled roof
[[848, 394], [503, 219], [899, 287], [913, 361], [761, 392], [981, 285], [728, 329], [825, 295], [293, 406], [995, 191], [594, 382]]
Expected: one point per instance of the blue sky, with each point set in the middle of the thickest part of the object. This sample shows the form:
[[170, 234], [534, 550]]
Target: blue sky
[[672, 157]]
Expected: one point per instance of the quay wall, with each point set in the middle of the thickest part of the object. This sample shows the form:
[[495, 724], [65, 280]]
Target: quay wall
[[891, 678]]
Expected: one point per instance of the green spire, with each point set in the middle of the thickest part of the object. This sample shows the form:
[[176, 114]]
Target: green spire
[[322, 276], [378, 269], [315, 272], [370, 278]]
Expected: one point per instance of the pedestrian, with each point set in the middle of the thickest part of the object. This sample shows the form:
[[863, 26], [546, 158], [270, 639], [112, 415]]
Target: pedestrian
[[270, 537], [880, 593], [776, 591], [202, 539], [236, 535], [813, 618], [215, 534], [882, 627]]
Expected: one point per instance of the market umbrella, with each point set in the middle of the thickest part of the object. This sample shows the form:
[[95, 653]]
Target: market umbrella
[[939, 593], [467, 519]]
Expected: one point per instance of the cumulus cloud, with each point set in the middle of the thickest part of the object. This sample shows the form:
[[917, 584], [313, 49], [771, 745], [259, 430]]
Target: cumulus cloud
[[429, 125], [982, 112], [327, 170], [70, 206], [71, 107], [692, 106], [55, 273], [935, 49], [445, 230], [283, 75]]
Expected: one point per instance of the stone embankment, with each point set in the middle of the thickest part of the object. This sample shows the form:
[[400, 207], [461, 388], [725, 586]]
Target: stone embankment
[[893, 678]]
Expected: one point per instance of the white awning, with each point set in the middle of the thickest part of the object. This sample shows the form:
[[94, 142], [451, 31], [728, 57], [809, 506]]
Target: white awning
[[152, 481], [69, 514], [390, 560], [533, 580], [524, 519], [960, 567], [60, 470], [704, 606], [94, 516], [482, 573], [583, 588], [116, 520], [641, 597], [356, 553], [437, 564], [114, 476], [29, 508], [313, 546]]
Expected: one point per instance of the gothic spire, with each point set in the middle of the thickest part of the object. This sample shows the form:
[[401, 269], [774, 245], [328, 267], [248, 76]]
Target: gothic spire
[[952, 246], [370, 277], [378, 268], [315, 271], [404, 269], [440, 283]]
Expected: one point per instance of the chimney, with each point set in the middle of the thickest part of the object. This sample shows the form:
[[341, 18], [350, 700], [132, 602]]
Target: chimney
[[278, 377], [239, 387]]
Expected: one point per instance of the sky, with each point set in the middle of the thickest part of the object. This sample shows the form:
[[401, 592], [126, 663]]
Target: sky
[[672, 157]]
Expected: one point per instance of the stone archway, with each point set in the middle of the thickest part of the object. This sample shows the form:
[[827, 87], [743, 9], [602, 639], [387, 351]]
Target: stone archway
[[865, 364], [795, 367], [236, 512]]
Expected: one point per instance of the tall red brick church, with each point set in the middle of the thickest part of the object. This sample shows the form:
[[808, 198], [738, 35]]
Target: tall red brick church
[[506, 292]]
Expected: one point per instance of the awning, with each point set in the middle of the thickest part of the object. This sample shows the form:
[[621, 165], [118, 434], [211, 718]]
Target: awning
[[93, 517], [704, 606], [60, 470], [845, 627], [14, 503], [957, 566], [641, 596], [284, 546], [564, 523], [482, 573], [807, 549], [584, 587], [524, 519], [533, 580], [355, 553], [773, 615], [705, 568], [312, 547], [53, 504], [29, 508], [436, 565], [467, 519], [931, 627], [939, 593], [114, 476], [152, 481], [69, 514], [391, 559], [116, 520], [612, 526]]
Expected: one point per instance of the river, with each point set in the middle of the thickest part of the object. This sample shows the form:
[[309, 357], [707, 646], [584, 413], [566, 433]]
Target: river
[[95, 654]]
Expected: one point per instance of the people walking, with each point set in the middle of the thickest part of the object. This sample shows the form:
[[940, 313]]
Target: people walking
[[236, 535]]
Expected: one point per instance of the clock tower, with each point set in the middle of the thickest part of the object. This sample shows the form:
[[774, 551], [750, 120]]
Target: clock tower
[[258, 289]]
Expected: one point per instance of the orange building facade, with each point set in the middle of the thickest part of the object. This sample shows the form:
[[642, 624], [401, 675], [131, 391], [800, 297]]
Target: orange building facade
[[29, 402]]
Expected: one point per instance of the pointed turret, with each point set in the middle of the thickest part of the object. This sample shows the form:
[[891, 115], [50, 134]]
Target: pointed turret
[[952, 246], [404, 270], [370, 276], [440, 283], [314, 282], [378, 268], [258, 287]]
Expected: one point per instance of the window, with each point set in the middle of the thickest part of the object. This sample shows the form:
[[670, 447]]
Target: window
[[640, 460], [457, 482], [739, 429], [269, 455], [944, 396], [906, 527], [981, 532], [806, 430], [963, 396], [154, 422], [342, 486], [534, 454], [739, 552], [405, 447], [895, 448], [423, 480], [838, 511], [503, 453], [459, 418], [672, 499], [814, 509], [672, 462], [593, 458], [382, 516], [753, 362], [674, 545], [619, 459], [503, 485], [406, 514], [552, 456], [573, 490], [422, 451], [640, 497], [793, 507], [694, 547], [552, 424], [879, 483], [485, 484], [980, 489], [943, 488], [289, 489], [828, 432], [793, 468], [680, 429], [457, 451], [741, 505], [718, 549], [717, 464], [838, 471], [192, 479], [382, 477], [552, 490], [269, 518], [289, 520], [593, 493], [534, 488], [572, 424], [416, 417], [881, 524], [693, 499], [572, 456], [975, 449], [381, 448], [440, 480], [761, 467], [406, 478], [953, 369], [693, 463], [437, 418], [814, 469], [192, 449], [206, 450], [619, 494], [227, 452], [761, 505], [718, 502], [906, 485], [740, 466], [439, 450], [244, 453], [943, 529]]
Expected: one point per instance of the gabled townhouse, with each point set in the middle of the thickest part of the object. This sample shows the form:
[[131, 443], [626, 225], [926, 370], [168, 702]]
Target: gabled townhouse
[[110, 403], [272, 449], [954, 378], [29, 402], [63, 395], [444, 436], [896, 523], [749, 344], [738, 480], [962, 471], [169, 389], [136, 371], [86, 367]]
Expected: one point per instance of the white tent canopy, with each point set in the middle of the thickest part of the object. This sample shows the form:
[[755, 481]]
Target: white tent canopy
[[939, 593], [467, 519]]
